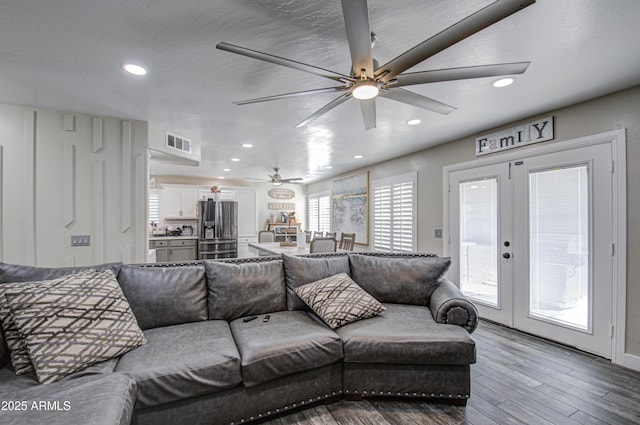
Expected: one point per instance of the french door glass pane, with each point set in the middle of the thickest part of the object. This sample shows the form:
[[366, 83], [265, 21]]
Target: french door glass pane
[[559, 245], [479, 240]]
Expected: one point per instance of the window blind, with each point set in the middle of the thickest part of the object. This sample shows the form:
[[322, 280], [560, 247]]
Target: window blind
[[319, 208], [394, 203], [154, 208]]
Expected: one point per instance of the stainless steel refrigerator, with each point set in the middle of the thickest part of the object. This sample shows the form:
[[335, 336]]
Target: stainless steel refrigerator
[[217, 229]]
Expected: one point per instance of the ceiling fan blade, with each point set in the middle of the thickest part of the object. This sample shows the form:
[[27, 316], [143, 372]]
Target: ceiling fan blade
[[452, 74], [368, 108], [406, 96], [294, 94], [470, 25], [295, 180], [283, 62], [356, 22], [326, 108]]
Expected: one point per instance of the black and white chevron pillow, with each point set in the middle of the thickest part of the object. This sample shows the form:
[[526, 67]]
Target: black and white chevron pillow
[[339, 300]]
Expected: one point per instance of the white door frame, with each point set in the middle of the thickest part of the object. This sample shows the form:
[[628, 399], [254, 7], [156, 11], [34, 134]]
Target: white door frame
[[617, 141]]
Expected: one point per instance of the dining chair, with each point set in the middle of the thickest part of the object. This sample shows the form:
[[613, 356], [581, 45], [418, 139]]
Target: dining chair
[[322, 245], [308, 235], [266, 236], [347, 241], [330, 235]]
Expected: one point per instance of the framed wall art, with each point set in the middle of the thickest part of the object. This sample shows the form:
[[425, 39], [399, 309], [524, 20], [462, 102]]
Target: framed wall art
[[350, 206]]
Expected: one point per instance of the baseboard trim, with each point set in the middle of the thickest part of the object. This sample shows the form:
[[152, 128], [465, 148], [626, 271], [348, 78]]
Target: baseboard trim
[[630, 361]]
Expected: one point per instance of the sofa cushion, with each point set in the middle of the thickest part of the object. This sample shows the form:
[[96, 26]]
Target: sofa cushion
[[288, 343], [162, 296], [299, 271], [74, 322], [398, 280], [237, 290], [18, 273], [406, 334], [95, 400], [183, 361], [338, 300]]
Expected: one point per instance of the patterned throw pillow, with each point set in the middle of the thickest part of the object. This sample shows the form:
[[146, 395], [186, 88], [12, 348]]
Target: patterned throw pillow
[[17, 347], [71, 323], [338, 300]]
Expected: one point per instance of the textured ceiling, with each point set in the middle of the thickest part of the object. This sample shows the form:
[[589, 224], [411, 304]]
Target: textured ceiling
[[67, 55]]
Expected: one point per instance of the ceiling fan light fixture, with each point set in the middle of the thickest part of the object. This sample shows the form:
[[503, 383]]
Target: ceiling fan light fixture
[[365, 89], [277, 183], [503, 82]]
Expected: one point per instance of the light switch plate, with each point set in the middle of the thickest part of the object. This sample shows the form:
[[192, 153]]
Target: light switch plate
[[80, 240], [438, 233]]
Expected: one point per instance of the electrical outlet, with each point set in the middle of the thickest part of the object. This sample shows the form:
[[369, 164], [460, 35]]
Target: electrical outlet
[[80, 240], [438, 233]]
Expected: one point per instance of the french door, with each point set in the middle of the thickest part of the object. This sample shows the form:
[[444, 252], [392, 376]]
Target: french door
[[531, 243]]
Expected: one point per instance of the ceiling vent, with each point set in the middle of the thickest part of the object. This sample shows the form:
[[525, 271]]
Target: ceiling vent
[[178, 143]]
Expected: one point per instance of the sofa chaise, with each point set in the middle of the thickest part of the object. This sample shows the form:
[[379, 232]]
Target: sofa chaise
[[231, 341]]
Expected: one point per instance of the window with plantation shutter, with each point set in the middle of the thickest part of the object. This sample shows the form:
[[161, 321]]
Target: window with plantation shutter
[[319, 208], [394, 216], [154, 207]]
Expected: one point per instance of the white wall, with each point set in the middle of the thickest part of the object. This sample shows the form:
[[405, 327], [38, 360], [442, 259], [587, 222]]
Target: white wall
[[612, 112], [87, 180]]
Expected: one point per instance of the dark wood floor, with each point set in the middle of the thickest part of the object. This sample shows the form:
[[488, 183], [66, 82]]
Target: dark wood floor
[[518, 379]]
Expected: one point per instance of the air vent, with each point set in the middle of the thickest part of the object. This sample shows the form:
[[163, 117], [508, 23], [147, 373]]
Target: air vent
[[178, 143]]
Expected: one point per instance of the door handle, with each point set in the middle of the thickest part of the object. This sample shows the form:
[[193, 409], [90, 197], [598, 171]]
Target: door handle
[[506, 255]]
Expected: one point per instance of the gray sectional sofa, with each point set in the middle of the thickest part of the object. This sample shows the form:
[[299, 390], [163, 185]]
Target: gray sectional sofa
[[204, 364]]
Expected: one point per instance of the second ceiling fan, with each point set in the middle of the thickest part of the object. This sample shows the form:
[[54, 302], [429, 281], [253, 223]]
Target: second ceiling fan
[[367, 80]]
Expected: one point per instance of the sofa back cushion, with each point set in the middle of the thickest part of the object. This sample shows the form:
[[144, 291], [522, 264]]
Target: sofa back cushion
[[163, 296], [299, 271], [398, 280], [17, 273], [236, 290]]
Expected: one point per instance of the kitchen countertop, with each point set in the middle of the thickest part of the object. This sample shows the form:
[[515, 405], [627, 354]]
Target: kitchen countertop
[[162, 238]]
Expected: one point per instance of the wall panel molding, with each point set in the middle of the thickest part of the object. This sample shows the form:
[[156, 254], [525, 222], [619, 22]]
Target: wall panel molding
[[69, 184], [126, 255], [140, 208], [125, 189], [97, 134], [29, 182], [70, 261], [98, 211]]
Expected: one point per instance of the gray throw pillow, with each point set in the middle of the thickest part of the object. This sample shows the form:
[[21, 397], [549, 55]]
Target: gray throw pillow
[[71, 323], [237, 290], [398, 280], [299, 271], [338, 300], [163, 296]]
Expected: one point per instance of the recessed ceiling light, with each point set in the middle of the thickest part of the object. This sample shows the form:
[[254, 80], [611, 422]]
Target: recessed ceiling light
[[227, 169], [503, 82], [247, 145], [329, 167], [235, 159], [134, 69], [221, 177], [414, 122], [358, 156]]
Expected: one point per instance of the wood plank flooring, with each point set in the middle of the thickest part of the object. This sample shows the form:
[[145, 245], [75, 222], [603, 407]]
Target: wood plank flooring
[[518, 379]]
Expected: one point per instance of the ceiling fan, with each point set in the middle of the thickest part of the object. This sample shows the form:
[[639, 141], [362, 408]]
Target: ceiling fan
[[368, 80], [277, 180]]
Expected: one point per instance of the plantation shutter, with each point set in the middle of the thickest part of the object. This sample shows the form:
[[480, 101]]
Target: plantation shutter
[[154, 208], [319, 207], [394, 216]]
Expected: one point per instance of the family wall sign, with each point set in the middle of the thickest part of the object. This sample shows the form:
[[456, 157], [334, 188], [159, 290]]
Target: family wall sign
[[526, 134]]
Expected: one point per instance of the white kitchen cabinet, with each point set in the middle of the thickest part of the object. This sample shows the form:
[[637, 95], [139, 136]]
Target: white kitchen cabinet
[[178, 202]]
